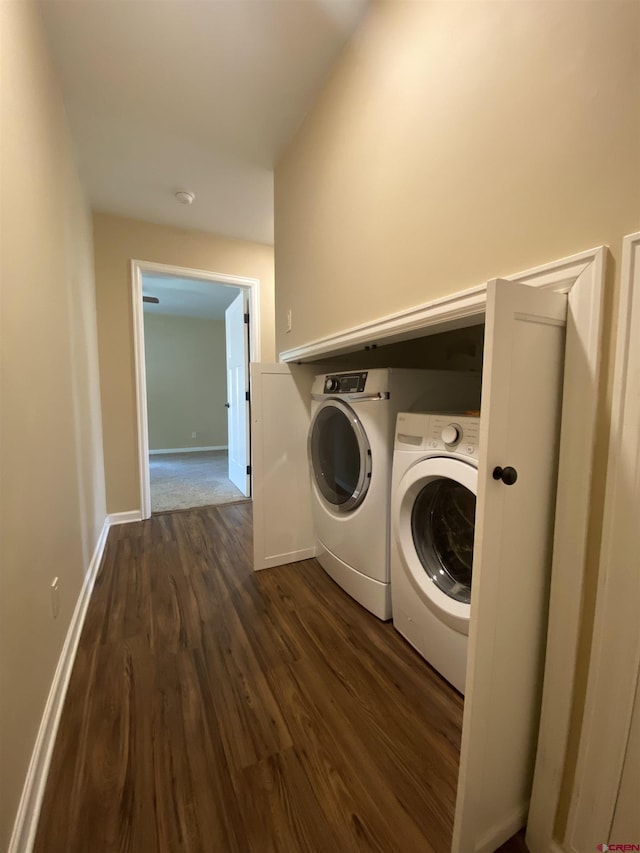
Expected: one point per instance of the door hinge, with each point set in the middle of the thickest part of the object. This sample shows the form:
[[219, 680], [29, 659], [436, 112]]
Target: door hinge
[[246, 319], [248, 469], [247, 396]]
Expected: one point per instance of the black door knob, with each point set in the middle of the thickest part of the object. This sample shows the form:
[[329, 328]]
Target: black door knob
[[227, 405], [508, 475]]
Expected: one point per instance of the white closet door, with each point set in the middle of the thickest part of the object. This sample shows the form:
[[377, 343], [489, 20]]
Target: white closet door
[[521, 400], [280, 417]]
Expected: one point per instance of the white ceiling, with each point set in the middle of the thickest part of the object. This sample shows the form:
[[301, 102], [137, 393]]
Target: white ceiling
[[187, 297], [200, 95]]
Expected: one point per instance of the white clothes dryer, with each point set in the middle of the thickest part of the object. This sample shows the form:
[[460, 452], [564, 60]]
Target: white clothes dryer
[[350, 450], [434, 488]]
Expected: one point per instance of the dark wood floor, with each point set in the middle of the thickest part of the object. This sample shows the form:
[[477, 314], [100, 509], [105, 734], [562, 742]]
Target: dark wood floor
[[214, 709]]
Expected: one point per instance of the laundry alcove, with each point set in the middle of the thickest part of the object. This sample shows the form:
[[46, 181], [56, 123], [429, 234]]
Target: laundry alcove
[[516, 334]]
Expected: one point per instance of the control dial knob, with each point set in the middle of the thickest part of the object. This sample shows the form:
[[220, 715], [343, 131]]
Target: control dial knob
[[331, 383], [451, 434]]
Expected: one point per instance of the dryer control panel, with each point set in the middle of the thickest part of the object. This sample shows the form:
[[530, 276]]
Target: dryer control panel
[[345, 383], [449, 432]]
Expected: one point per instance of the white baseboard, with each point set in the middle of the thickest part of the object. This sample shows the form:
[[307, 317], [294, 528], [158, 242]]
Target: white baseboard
[[188, 449], [290, 557], [26, 822], [124, 517]]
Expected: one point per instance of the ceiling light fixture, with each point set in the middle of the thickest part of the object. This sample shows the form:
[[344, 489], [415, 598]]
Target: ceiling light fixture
[[185, 196]]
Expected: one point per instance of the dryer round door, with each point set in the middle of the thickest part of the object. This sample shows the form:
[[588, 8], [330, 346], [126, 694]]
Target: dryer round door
[[339, 455], [434, 526]]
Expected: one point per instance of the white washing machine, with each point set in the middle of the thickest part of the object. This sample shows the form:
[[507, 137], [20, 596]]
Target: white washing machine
[[434, 488], [350, 454]]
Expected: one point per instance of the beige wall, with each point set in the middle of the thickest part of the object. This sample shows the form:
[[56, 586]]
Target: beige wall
[[117, 241], [52, 480], [456, 142], [186, 381]]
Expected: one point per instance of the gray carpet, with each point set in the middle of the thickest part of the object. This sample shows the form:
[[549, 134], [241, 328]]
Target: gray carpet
[[185, 480]]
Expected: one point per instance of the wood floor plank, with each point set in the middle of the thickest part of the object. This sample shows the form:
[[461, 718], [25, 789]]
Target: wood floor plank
[[347, 786], [212, 708], [395, 772], [250, 717], [285, 813]]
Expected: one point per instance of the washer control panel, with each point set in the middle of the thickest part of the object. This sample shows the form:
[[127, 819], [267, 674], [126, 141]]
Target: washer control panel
[[449, 432], [345, 383]]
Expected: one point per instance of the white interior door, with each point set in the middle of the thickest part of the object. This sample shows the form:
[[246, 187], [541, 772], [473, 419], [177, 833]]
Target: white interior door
[[521, 401], [280, 416], [237, 337]]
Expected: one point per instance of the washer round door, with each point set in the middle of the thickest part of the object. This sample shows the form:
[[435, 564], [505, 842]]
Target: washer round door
[[434, 526], [339, 455]]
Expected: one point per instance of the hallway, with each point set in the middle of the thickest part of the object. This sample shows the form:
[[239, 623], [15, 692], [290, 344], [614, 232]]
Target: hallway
[[212, 708]]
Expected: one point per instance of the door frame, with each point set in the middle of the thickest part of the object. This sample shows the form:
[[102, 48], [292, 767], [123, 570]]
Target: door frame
[[250, 285], [611, 689], [582, 277]]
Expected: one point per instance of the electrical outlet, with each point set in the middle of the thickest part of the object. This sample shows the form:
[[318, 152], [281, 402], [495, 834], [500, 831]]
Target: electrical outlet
[[55, 597], [289, 320], [194, 435]]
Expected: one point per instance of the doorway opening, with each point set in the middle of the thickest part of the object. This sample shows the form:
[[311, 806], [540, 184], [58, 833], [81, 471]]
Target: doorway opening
[[193, 338]]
